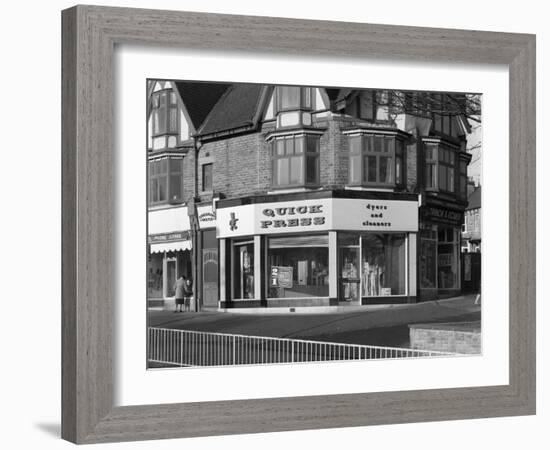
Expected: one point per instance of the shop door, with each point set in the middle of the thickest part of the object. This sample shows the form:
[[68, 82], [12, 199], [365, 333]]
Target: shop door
[[171, 266], [349, 276], [210, 277]]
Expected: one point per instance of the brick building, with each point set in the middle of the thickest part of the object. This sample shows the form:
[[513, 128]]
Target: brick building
[[285, 196]]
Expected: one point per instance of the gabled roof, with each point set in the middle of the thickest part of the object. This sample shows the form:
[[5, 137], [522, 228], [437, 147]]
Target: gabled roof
[[199, 98], [237, 108], [474, 200]]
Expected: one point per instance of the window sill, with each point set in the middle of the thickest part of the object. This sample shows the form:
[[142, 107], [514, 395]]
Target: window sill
[[290, 189], [389, 188], [159, 206]]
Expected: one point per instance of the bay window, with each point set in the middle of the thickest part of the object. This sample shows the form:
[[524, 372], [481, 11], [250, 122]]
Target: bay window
[[165, 180], [295, 161], [376, 160], [440, 168]]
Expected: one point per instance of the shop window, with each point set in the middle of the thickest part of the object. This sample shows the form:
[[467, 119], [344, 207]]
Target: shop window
[[298, 266], [376, 160], [243, 270], [293, 97], [428, 258], [207, 177], [383, 265], [166, 181], [295, 161], [164, 113], [155, 276], [440, 167], [448, 243]]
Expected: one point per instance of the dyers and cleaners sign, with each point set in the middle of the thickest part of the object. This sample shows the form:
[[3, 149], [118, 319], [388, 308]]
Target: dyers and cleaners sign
[[318, 215]]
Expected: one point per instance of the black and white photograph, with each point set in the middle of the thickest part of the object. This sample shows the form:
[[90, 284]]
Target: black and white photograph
[[310, 224]]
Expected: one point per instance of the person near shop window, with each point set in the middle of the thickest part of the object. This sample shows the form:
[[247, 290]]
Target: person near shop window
[[188, 293], [179, 288]]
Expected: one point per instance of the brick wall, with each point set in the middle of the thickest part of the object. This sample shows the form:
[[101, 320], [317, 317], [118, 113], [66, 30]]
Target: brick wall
[[445, 339], [242, 164]]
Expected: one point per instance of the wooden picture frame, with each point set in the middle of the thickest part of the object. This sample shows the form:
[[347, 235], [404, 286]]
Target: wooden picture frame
[[90, 34]]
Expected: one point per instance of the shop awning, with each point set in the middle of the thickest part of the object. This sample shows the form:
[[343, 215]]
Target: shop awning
[[171, 246]]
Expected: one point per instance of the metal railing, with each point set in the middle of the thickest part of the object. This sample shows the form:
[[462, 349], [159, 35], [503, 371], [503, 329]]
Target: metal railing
[[196, 348]]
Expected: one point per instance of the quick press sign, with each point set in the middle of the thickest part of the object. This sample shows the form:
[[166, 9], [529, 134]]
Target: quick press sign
[[318, 215]]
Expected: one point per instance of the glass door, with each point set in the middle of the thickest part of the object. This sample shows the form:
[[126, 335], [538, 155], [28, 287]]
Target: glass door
[[349, 275], [171, 266]]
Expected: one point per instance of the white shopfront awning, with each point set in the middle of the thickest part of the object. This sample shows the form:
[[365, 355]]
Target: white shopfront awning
[[171, 246]]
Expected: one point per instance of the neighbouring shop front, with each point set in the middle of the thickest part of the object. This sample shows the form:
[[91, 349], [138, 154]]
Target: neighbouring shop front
[[317, 249], [439, 254], [169, 254]]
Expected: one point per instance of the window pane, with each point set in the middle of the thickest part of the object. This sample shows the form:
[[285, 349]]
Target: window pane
[[312, 144], [153, 194], [355, 144], [296, 170], [162, 194], [388, 144], [399, 147], [355, 169], [427, 265], [307, 97], [299, 145], [243, 282], [282, 171], [371, 169], [368, 143], [289, 146], [447, 260], [280, 147], [442, 177], [378, 143], [176, 165], [383, 265], [290, 97], [385, 169], [450, 179], [173, 120], [452, 157], [175, 187], [163, 166], [297, 271], [312, 169], [398, 169], [207, 177]]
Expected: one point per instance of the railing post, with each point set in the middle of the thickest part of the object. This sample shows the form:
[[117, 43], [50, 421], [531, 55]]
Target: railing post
[[234, 347]]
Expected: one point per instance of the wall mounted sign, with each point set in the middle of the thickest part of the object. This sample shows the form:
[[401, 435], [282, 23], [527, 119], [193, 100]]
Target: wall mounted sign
[[169, 237], [206, 216], [317, 215], [441, 215]]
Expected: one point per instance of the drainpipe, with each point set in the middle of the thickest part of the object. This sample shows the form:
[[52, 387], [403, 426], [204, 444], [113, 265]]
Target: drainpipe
[[194, 224]]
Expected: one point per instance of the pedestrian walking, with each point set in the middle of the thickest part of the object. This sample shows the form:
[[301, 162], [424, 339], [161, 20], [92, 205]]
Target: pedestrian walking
[[188, 293], [179, 288]]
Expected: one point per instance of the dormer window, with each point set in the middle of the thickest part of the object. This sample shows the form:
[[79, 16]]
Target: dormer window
[[376, 159], [293, 106], [163, 118], [291, 98]]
